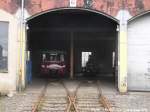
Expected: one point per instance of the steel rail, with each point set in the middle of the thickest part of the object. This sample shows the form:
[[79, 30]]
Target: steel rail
[[71, 98], [103, 100], [41, 96]]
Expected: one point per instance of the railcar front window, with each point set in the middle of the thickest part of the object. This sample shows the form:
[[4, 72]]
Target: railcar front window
[[52, 57], [4, 46]]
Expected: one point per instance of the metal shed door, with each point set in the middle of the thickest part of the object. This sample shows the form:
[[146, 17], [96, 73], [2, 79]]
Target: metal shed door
[[139, 53]]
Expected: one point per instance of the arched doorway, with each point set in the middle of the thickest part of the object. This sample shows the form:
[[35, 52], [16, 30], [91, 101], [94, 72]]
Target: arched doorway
[[76, 32], [138, 52]]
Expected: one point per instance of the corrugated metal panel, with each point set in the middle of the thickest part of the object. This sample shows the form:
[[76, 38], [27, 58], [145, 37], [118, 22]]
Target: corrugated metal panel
[[139, 54]]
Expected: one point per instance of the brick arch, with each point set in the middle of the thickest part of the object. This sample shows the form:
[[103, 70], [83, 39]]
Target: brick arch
[[136, 7], [110, 7], [82, 9], [139, 15]]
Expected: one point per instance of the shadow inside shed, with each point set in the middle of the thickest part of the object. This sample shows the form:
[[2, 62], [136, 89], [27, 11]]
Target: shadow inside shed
[[81, 34]]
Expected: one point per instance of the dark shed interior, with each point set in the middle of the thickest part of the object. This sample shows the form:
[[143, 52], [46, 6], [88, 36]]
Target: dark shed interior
[[90, 32]]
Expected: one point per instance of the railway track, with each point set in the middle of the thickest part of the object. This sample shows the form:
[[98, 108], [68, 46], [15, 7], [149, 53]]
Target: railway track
[[53, 98], [90, 98], [86, 97]]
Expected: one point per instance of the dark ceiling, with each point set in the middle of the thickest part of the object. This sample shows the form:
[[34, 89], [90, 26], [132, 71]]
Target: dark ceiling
[[71, 19]]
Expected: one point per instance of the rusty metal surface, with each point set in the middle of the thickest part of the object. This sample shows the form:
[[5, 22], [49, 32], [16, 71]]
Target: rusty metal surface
[[76, 100], [87, 98], [71, 98], [52, 98]]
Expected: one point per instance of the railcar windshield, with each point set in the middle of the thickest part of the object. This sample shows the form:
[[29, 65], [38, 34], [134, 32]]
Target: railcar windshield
[[52, 57]]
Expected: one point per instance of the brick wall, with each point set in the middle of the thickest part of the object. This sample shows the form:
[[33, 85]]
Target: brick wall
[[110, 7], [10, 6]]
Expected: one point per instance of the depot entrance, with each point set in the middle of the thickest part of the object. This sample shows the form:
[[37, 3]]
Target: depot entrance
[[87, 39]]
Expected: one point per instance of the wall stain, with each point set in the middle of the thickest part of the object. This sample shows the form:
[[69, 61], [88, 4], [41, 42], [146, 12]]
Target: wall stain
[[139, 5], [10, 6]]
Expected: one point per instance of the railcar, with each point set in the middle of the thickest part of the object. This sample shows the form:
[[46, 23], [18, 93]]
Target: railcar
[[53, 63]]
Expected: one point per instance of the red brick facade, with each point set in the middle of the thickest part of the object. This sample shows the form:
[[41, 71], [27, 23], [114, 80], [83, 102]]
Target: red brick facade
[[137, 6], [110, 7], [10, 6], [106, 6]]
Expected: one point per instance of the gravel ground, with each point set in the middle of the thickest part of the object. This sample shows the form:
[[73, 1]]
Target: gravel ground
[[131, 102]]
